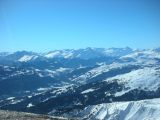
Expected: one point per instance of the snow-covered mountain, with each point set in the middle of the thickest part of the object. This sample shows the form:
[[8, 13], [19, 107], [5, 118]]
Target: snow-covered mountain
[[88, 53], [132, 110], [91, 83]]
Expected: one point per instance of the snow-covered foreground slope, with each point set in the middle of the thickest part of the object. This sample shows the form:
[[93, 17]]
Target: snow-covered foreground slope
[[133, 110]]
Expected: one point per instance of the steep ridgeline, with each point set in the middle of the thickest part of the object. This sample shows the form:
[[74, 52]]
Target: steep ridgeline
[[91, 83]]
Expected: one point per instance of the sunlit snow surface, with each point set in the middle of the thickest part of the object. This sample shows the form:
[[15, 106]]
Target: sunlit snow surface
[[146, 78], [133, 110], [99, 70], [87, 91], [26, 58], [30, 105]]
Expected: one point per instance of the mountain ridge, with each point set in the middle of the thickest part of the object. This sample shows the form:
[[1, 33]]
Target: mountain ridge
[[62, 82]]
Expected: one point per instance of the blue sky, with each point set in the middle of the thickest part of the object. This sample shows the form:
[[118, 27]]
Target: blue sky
[[43, 25]]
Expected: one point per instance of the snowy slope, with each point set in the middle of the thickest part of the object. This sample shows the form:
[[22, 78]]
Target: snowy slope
[[147, 78], [89, 53], [59, 54], [101, 70], [144, 56], [133, 110], [27, 58], [118, 51]]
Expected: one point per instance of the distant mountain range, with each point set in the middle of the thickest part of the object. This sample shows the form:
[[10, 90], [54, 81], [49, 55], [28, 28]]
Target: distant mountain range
[[91, 83]]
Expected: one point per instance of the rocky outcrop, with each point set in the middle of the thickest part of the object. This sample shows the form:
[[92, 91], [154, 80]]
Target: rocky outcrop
[[10, 115]]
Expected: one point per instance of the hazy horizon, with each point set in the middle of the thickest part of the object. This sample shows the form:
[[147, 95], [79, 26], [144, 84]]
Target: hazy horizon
[[45, 51]]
